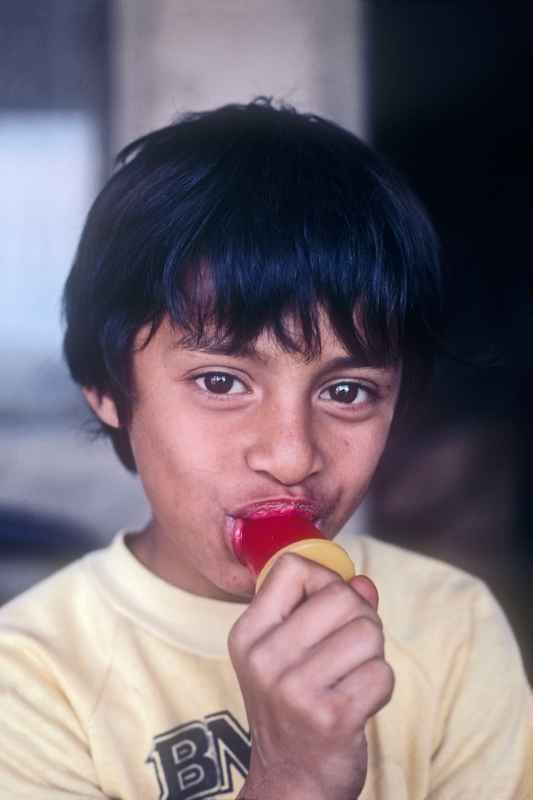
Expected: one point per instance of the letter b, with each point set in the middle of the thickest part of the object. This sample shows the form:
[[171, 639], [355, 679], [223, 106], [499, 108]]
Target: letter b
[[186, 763]]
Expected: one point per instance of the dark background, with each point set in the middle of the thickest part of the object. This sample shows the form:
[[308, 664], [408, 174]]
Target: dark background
[[450, 104]]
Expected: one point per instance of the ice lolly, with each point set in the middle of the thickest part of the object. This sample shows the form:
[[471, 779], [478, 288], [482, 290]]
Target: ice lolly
[[262, 540]]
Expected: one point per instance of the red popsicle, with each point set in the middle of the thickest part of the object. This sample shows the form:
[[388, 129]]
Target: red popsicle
[[262, 539]]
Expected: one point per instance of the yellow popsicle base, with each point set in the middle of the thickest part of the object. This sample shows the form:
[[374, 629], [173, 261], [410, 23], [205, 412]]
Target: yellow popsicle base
[[329, 554]]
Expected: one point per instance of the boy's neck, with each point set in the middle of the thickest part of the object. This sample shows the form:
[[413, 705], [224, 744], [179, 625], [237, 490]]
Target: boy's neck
[[151, 551]]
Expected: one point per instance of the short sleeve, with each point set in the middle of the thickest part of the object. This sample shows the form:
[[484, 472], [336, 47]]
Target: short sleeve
[[486, 750], [43, 752]]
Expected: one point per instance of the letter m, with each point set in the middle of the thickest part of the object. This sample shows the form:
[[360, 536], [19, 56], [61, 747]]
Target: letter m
[[232, 744]]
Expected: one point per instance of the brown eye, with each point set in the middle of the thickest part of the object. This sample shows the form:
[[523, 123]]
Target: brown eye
[[219, 383], [346, 392]]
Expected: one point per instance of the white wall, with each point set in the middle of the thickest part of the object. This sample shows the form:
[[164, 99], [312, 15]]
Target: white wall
[[48, 169], [172, 56]]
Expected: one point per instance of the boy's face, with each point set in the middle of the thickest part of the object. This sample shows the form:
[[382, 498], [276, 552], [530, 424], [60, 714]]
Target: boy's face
[[215, 436]]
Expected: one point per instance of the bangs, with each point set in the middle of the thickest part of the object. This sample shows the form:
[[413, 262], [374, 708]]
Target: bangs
[[213, 309], [291, 236]]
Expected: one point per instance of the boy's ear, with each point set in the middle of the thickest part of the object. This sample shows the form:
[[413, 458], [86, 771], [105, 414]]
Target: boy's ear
[[103, 406]]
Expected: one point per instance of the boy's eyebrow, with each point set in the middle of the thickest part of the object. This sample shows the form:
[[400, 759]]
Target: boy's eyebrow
[[218, 349], [345, 362], [339, 362]]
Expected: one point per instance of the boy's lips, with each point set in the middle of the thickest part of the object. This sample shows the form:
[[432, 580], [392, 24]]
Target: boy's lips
[[278, 507]]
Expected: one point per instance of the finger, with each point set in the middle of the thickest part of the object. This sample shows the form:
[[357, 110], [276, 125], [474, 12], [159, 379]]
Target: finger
[[291, 580], [366, 689], [367, 589], [336, 656], [323, 613]]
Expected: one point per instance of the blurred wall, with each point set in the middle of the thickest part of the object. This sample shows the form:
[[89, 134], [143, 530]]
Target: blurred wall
[[59, 493], [79, 80]]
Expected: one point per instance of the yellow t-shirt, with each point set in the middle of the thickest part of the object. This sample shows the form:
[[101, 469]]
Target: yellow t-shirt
[[114, 684]]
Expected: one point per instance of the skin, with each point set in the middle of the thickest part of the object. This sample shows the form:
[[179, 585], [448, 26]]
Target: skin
[[213, 433]]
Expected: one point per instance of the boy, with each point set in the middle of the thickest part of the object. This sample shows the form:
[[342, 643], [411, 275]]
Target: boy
[[254, 296]]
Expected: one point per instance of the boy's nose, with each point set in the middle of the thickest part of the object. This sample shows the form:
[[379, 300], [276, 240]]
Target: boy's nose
[[285, 447]]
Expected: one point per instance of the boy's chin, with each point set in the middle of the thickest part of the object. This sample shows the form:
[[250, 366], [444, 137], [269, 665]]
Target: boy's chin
[[244, 597], [244, 594], [238, 591]]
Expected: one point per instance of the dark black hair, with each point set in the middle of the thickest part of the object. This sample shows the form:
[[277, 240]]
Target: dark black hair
[[233, 220]]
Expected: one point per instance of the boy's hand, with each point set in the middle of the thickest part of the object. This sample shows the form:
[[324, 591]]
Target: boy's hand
[[309, 656]]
